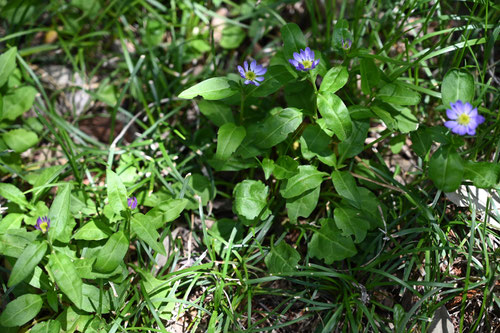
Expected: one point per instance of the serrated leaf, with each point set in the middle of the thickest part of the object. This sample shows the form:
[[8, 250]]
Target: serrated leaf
[[217, 112], [59, 212], [26, 263], [212, 89], [457, 85], [446, 169], [397, 94], [482, 174], [293, 39], [351, 222], [282, 259], [335, 113], [334, 79], [21, 310], [229, 138], [303, 205], [328, 243], [112, 253], [117, 193], [307, 178], [277, 126], [12, 193], [140, 224], [66, 277], [7, 64], [250, 198]]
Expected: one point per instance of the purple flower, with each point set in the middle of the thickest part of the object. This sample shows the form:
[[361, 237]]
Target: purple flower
[[304, 61], [43, 224], [251, 74], [346, 44], [464, 118], [132, 202]]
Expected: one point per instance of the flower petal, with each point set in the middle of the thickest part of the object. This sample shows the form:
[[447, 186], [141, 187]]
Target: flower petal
[[259, 78], [295, 63], [256, 83], [479, 119], [467, 108], [260, 70], [460, 130], [451, 113], [246, 66], [297, 57], [248, 82], [451, 124], [471, 130], [252, 65], [315, 63], [242, 72]]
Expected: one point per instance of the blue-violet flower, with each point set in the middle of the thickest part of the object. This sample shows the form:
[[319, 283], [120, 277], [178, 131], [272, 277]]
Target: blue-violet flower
[[251, 75], [464, 118], [132, 202], [346, 44], [304, 61], [43, 224]]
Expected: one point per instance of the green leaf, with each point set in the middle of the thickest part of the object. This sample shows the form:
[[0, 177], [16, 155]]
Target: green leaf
[[370, 75], [7, 64], [285, 167], [20, 140], [282, 259], [217, 112], [277, 126], [13, 241], [92, 301], [293, 39], [346, 187], [91, 231], [232, 37], [334, 79], [140, 224], [351, 222], [446, 169], [275, 77], [303, 205], [112, 253], [18, 101], [11, 221], [26, 263], [154, 32], [250, 198], [398, 94], [229, 139], [421, 141], [335, 113], [12, 193], [117, 193], [267, 166], [66, 277], [328, 243], [167, 211], [50, 326], [315, 142], [405, 120], [307, 178], [355, 143], [21, 310], [457, 85], [211, 89], [223, 228], [300, 94], [483, 174], [59, 213]]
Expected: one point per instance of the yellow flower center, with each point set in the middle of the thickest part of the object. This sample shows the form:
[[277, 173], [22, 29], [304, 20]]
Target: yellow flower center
[[43, 226], [463, 119], [250, 75], [307, 63]]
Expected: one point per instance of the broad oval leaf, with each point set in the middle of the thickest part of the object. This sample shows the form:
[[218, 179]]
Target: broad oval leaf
[[303, 205], [293, 39], [217, 112], [355, 143], [93, 302], [250, 198], [20, 140], [112, 253], [12, 193], [18, 101], [370, 75], [483, 174], [351, 222], [457, 85], [397, 94], [21, 310], [26, 263], [229, 139], [66, 277], [212, 89], [328, 243], [307, 178], [346, 187], [446, 169], [141, 225], [59, 213], [277, 126], [275, 77], [315, 142], [335, 113], [7, 64], [166, 211], [117, 193], [232, 37], [334, 79], [282, 259], [50, 326], [91, 231]]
